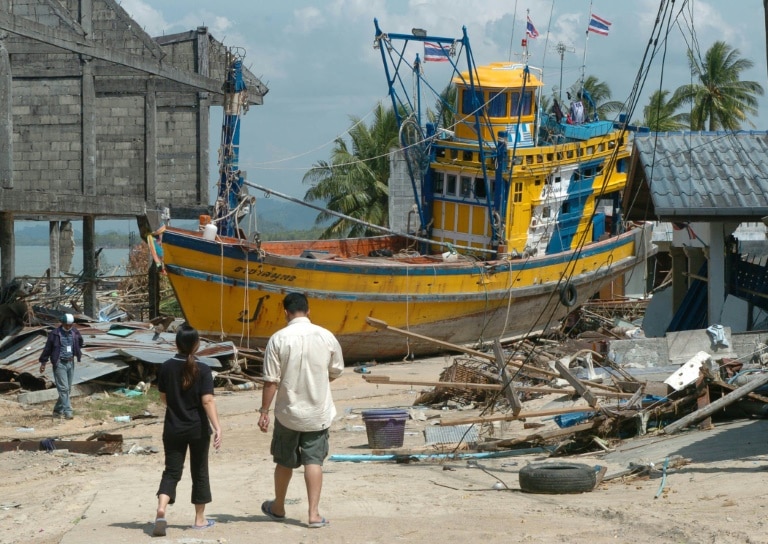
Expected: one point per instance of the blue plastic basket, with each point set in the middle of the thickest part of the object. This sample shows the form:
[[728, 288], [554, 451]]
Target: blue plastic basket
[[385, 427]]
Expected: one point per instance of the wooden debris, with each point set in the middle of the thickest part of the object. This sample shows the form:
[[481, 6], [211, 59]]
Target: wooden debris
[[106, 444], [710, 409]]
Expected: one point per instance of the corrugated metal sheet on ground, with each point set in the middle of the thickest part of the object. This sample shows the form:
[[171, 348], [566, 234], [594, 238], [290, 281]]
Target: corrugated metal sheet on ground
[[104, 352], [25, 359], [435, 434]]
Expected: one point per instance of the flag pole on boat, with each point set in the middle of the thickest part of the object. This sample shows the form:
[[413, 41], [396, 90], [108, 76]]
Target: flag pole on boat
[[586, 43], [512, 35]]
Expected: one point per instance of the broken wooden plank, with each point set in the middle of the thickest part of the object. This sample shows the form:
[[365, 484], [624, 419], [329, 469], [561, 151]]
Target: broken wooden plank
[[542, 436], [710, 409], [386, 380], [562, 366], [513, 417], [379, 324], [507, 386], [91, 447]]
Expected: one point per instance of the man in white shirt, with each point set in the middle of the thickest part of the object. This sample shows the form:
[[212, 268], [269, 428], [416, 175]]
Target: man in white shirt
[[300, 361]]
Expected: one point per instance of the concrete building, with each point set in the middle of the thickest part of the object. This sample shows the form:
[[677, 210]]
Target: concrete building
[[100, 120]]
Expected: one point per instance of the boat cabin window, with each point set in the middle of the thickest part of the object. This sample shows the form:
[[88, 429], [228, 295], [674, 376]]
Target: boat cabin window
[[471, 101], [518, 192], [466, 186], [546, 212], [450, 184], [521, 103], [497, 104], [480, 188], [438, 183]]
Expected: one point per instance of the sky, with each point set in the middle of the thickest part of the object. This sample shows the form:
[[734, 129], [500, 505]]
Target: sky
[[317, 57]]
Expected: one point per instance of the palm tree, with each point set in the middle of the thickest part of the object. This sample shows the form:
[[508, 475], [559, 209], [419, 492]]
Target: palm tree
[[601, 94], [355, 182], [659, 115], [720, 100], [445, 108]]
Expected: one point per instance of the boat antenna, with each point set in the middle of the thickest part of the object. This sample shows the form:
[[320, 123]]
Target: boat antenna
[[561, 49], [512, 35]]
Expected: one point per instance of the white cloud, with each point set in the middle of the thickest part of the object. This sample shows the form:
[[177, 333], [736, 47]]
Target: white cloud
[[149, 19], [306, 20]]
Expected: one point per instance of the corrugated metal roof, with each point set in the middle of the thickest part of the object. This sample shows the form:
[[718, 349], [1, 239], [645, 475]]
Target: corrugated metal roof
[[703, 175]]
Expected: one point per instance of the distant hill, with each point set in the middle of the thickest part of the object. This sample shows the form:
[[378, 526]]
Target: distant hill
[[274, 216]]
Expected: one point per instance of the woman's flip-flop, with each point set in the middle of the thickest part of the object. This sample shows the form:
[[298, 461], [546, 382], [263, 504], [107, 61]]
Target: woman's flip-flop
[[160, 526], [209, 523], [317, 524]]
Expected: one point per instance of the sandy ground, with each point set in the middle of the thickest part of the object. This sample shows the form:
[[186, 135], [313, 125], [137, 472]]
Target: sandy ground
[[720, 497]]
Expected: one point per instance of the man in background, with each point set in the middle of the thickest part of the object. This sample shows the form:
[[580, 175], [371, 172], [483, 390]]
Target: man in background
[[62, 348]]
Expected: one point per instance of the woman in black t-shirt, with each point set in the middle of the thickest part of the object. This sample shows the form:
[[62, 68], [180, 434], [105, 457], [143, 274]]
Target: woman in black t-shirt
[[186, 388]]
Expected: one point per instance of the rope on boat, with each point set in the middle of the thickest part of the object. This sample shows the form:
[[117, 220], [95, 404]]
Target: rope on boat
[[447, 245]]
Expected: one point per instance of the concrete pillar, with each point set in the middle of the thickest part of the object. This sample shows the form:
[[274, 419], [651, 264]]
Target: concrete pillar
[[6, 119], [88, 100], [679, 277], [7, 249], [54, 271], [716, 287], [66, 246], [203, 117], [86, 16], [90, 267], [150, 144]]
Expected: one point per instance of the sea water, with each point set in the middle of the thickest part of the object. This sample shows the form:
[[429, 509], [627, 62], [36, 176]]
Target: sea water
[[35, 260]]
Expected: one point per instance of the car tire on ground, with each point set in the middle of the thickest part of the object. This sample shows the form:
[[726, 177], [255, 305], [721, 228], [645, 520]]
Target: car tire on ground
[[555, 478]]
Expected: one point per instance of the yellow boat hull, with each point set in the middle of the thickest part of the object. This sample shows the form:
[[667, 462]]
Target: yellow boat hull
[[231, 289]]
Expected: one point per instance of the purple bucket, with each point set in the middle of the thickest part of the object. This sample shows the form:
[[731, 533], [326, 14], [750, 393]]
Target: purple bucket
[[385, 427]]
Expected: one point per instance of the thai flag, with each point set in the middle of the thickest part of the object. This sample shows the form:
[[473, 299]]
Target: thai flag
[[435, 52], [530, 30], [598, 25]]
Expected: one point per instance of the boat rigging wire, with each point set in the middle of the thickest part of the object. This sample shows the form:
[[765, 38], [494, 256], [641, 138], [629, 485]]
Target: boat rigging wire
[[386, 230]]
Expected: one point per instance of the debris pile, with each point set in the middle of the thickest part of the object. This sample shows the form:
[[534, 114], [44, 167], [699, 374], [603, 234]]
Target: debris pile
[[590, 393]]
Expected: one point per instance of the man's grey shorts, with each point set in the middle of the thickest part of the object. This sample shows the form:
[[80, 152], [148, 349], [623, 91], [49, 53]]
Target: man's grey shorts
[[293, 449]]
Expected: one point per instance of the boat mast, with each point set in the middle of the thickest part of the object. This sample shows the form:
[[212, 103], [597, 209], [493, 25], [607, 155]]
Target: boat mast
[[227, 208]]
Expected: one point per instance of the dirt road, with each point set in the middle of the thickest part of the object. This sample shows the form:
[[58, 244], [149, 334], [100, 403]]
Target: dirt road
[[720, 497]]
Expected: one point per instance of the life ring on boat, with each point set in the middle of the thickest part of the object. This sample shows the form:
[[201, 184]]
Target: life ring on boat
[[568, 294]]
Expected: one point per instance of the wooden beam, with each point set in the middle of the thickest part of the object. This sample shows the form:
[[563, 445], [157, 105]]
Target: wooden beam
[[513, 417], [508, 388], [562, 366], [377, 379], [382, 325], [539, 437], [722, 402]]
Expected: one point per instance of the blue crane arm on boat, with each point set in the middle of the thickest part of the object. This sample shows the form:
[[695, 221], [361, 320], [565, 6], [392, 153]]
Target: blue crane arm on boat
[[230, 199]]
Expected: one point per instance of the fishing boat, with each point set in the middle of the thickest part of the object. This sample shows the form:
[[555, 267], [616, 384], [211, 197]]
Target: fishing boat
[[514, 217]]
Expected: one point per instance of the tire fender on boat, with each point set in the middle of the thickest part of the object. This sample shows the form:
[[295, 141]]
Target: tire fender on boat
[[568, 294]]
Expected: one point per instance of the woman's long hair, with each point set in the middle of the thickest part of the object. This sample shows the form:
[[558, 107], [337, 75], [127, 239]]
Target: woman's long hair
[[187, 342]]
